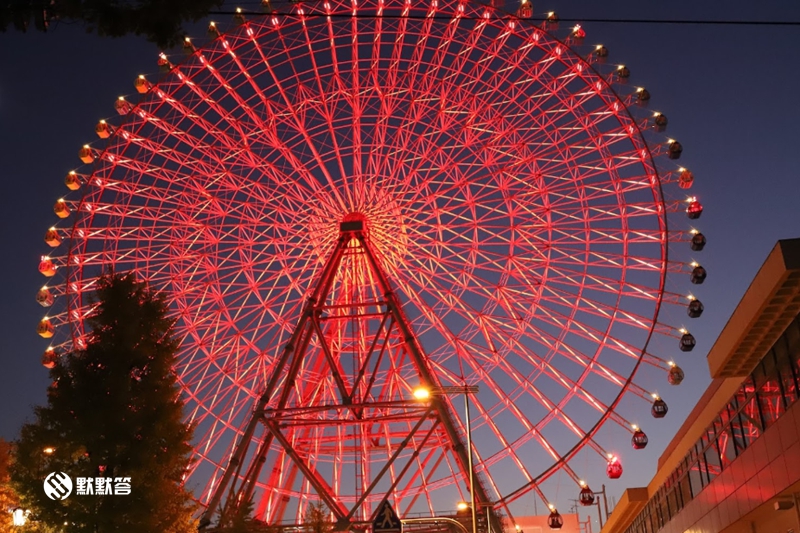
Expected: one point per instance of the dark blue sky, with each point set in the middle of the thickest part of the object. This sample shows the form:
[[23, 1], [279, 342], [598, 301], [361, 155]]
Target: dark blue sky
[[730, 93]]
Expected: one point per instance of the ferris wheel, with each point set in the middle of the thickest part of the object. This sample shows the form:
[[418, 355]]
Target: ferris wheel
[[349, 202]]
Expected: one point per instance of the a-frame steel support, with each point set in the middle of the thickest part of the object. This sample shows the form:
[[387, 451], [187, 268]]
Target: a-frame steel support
[[362, 396]]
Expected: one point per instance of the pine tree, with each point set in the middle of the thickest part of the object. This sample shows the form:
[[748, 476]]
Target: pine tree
[[113, 411], [8, 497], [317, 518]]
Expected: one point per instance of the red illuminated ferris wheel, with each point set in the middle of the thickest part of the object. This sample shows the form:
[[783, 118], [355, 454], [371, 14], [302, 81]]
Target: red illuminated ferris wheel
[[345, 201]]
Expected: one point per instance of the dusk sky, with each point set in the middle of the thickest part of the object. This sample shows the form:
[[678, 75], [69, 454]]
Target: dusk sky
[[729, 92]]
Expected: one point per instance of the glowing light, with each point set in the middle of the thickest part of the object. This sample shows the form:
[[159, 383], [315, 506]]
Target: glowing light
[[635, 427], [582, 483], [421, 393], [19, 517], [551, 506], [49, 450], [462, 506], [654, 395]]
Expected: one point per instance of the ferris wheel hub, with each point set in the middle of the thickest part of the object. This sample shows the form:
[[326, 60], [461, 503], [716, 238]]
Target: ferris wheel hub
[[353, 223]]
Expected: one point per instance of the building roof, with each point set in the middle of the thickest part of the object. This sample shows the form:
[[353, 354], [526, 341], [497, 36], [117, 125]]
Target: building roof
[[767, 307]]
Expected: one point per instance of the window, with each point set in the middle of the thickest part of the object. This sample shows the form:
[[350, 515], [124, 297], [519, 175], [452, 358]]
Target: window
[[713, 464], [695, 479], [793, 344], [786, 371], [685, 494], [770, 394]]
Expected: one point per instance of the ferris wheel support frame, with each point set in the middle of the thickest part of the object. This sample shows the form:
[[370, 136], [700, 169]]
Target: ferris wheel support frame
[[287, 370]]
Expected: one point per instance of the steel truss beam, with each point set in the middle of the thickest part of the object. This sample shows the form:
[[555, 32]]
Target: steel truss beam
[[361, 402]]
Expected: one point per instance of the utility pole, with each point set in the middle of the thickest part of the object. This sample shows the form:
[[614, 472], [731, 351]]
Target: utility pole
[[605, 505]]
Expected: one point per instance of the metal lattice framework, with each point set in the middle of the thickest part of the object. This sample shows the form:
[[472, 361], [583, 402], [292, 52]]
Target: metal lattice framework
[[517, 199]]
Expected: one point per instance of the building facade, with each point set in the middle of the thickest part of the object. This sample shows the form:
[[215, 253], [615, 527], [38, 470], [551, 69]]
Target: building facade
[[734, 466]]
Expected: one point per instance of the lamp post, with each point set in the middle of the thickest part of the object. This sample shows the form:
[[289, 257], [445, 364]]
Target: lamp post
[[425, 393]]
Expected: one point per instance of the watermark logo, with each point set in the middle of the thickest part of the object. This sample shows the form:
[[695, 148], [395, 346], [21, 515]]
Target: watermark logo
[[58, 486], [103, 486]]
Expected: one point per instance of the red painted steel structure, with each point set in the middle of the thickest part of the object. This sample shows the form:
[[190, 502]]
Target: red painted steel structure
[[513, 188], [370, 413]]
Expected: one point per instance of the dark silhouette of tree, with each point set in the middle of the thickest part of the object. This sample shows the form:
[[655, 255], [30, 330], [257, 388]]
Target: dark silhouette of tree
[[8, 497], [317, 518], [113, 411], [160, 21], [233, 519]]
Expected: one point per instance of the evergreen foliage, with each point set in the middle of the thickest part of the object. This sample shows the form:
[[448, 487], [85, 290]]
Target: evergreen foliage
[[113, 410], [8, 498], [317, 518], [161, 21]]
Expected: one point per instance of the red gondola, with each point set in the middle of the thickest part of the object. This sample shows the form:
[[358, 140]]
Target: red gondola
[[675, 376], [555, 520], [687, 342], [614, 468], [659, 409], [639, 440]]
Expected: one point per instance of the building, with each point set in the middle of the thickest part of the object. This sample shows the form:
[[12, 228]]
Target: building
[[734, 466], [538, 524]]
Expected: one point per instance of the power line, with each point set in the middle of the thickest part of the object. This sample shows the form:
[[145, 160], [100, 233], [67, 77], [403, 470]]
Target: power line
[[702, 22]]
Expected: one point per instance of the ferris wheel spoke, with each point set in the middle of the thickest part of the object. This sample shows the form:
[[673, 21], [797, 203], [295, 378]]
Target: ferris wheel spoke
[[568, 278], [557, 413], [271, 137], [414, 73], [435, 65]]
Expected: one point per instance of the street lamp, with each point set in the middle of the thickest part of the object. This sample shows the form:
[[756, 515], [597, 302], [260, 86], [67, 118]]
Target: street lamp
[[19, 516], [426, 393]]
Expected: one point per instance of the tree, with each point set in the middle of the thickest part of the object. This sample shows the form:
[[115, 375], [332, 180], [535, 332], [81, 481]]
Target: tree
[[317, 518], [238, 519], [161, 21], [113, 411], [8, 498]]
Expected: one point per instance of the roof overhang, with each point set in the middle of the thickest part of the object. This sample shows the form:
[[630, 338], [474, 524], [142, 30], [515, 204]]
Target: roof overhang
[[770, 303]]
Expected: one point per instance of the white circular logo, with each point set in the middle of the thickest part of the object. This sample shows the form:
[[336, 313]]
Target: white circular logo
[[57, 486]]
